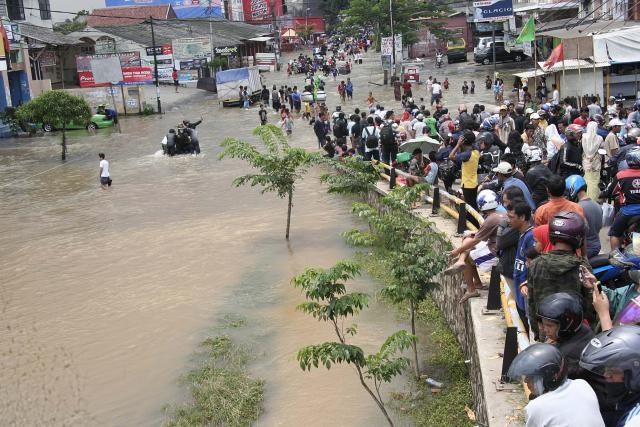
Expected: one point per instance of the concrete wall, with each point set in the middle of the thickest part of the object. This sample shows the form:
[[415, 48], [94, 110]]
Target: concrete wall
[[573, 86], [481, 336]]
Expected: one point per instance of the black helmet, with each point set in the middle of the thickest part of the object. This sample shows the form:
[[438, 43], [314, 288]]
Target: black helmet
[[567, 227], [565, 310], [619, 348], [541, 363], [485, 136]]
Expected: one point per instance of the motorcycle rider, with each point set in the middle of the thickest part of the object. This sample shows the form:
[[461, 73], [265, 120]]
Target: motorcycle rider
[[612, 364], [618, 161], [560, 318], [627, 183], [559, 270], [555, 400], [169, 143], [569, 161]]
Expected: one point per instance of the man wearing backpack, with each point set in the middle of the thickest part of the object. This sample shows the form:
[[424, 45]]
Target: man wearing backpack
[[371, 136], [340, 129], [388, 140], [360, 141], [319, 129], [355, 131]]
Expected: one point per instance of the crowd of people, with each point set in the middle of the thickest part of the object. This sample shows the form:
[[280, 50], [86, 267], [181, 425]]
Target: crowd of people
[[547, 176]]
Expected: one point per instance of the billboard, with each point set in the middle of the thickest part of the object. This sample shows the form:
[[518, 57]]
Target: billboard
[[260, 10], [191, 48], [183, 8], [132, 70], [492, 10]]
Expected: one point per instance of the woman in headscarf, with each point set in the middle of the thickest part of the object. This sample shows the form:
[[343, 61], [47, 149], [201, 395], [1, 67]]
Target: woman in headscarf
[[553, 140], [541, 237], [591, 160]]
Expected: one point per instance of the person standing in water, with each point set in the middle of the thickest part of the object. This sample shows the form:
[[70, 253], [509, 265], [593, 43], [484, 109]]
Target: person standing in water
[[105, 178]]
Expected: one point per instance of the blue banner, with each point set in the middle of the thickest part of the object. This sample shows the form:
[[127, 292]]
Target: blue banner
[[183, 8], [491, 10]]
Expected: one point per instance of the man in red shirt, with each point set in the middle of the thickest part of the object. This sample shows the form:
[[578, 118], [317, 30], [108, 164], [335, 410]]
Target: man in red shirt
[[557, 202], [583, 119], [406, 86]]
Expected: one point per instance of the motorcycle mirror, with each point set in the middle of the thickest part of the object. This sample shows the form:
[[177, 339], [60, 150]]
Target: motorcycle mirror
[[602, 151]]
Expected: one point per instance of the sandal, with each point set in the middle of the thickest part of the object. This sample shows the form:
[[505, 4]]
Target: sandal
[[467, 295], [454, 269]]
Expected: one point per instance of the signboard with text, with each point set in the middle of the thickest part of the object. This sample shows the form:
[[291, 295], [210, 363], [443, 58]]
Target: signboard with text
[[492, 10], [225, 51], [165, 49], [132, 70], [260, 10], [191, 48], [183, 8]]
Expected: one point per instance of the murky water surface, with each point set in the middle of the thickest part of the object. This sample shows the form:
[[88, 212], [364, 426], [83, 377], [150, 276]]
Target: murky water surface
[[105, 295]]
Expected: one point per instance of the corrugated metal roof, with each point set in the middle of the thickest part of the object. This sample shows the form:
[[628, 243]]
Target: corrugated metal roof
[[46, 35], [225, 33], [567, 29]]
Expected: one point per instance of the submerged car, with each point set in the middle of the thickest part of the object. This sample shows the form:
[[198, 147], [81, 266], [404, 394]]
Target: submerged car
[[97, 121]]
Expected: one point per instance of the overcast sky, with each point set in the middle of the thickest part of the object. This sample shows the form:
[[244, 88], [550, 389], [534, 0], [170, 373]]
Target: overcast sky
[[72, 6]]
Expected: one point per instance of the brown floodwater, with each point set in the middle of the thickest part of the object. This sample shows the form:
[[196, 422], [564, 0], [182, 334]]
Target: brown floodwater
[[106, 295]]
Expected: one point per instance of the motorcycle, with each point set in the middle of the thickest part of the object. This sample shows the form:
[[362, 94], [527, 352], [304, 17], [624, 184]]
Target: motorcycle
[[612, 270]]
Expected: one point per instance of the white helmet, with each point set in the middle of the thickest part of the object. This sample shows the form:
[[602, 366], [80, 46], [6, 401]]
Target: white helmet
[[487, 200]]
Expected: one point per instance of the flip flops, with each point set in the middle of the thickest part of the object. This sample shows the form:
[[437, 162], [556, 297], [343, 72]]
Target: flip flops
[[468, 295], [454, 269]]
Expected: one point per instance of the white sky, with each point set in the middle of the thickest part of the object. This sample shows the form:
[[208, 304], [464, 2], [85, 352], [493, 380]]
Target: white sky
[[73, 6]]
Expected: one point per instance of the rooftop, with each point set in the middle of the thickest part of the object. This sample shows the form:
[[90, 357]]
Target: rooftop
[[128, 15], [45, 36]]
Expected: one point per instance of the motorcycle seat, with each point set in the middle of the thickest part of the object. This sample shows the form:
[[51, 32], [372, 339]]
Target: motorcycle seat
[[599, 260]]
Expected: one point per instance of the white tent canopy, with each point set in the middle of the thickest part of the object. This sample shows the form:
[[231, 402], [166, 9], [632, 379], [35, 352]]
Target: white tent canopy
[[617, 46]]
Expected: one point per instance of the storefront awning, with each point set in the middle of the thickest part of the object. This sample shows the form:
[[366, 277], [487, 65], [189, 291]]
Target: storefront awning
[[261, 39], [530, 74], [571, 64], [619, 46]]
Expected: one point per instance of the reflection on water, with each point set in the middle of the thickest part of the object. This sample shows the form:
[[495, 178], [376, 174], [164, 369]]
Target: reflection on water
[[105, 295]]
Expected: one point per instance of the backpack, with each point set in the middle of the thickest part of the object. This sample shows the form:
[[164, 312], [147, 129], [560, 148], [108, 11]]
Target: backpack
[[340, 128], [387, 137], [372, 140]]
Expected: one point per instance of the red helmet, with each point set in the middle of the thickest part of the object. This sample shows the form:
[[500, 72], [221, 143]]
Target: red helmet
[[573, 130]]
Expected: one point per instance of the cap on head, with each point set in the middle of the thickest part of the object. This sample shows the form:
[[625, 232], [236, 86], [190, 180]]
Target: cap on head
[[615, 122], [534, 116], [504, 168]]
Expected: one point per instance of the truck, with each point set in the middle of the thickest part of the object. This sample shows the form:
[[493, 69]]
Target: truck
[[228, 84]]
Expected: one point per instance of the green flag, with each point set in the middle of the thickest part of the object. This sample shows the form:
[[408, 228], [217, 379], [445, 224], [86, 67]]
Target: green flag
[[528, 33]]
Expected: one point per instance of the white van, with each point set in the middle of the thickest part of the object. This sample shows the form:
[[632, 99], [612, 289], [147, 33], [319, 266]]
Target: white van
[[485, 42]]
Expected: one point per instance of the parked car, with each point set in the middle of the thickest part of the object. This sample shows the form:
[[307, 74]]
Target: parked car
[[456, 50], [485, 55], [98, 121], [485, 42]]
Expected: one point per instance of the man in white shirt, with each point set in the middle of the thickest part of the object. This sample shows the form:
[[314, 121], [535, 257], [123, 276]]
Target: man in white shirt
[[419, 125], [556, 95], [556, 400], [105, 179], [436, 92]]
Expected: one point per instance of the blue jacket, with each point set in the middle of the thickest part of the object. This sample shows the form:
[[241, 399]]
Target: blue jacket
[[515, 182], [520, 267]]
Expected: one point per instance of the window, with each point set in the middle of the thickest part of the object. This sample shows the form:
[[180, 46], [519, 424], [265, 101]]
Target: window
[[15, 10], [45, 9]]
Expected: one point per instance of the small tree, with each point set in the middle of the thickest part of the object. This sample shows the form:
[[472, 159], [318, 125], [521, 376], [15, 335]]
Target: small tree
[[56, 107], [328, 301], [411, 250], [351, 176], [280, 167]]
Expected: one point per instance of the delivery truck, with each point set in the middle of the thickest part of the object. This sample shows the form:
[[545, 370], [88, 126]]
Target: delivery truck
[[228, 84]]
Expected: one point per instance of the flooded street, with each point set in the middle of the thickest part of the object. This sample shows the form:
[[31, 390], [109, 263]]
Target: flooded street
[[106, 295]]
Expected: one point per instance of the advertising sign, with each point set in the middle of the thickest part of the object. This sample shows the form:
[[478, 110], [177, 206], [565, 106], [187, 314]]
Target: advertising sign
[[260, 10], [225, 51], [183, 8], [48, 59], [191, 48], [132, 70], [386, 46], [106, 70], [165, 49], [193, 64], [492, 10]]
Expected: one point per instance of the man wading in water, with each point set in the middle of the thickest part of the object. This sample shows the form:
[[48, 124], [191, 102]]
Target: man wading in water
[[105, 179]]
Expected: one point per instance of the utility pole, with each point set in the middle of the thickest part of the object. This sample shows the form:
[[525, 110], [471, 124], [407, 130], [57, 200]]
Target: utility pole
[[276, 31], [493, 49], [155, 66], [393, 41]]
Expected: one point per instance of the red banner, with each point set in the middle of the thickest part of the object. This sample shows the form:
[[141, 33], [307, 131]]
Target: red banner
[[130, 76], [260, 10]]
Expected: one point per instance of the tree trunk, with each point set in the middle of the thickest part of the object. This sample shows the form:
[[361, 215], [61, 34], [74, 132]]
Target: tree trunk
[[64, 143], [373, 396], [289, 213], [412, 309]]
